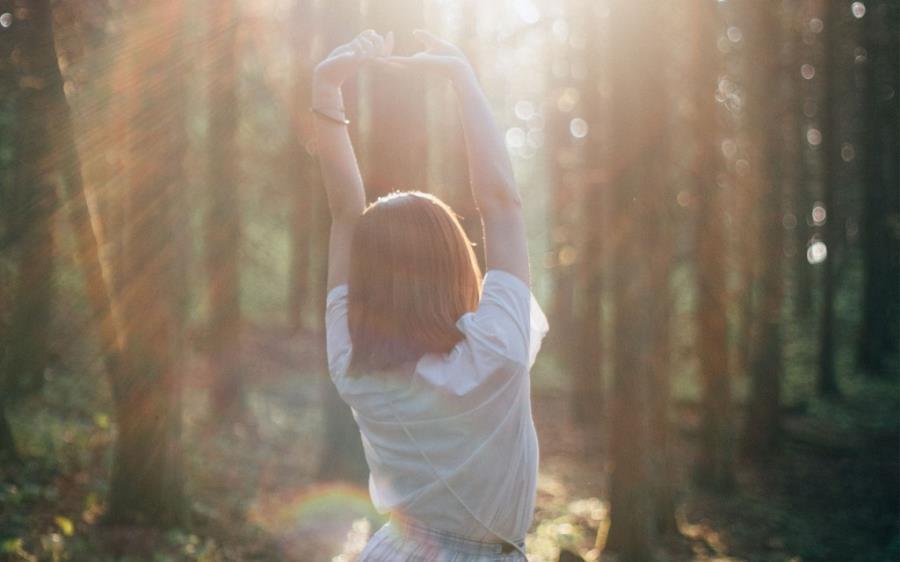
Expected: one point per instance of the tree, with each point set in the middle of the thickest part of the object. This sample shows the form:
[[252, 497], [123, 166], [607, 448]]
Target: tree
[[223, 221], [635, 80], [33, 201], [763, 421], [715, 465], [827, 380], [307, 193], [879, 336], [580, 201], [147, 484], [802, 203]]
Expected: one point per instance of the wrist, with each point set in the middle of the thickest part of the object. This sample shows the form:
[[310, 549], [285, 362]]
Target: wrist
[[326, 94], [322, 82]]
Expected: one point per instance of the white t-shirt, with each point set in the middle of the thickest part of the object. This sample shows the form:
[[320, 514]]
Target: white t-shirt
[[468, 410]]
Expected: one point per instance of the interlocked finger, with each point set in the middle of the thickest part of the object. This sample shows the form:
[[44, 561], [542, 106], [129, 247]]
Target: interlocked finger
[[368, 47], [376, 39]]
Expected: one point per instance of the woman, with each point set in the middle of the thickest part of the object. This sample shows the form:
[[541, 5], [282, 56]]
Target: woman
[[433, 362]]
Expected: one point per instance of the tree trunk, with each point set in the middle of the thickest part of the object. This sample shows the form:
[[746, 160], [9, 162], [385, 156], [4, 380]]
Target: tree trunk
[[147, 484], [827, 379], [302, 170], [584, 312], [880, 330], [8, 450], [762, 424], [223, 221], [802, 202], [67, 163], [634, 79], [715, 465], [33, 204]]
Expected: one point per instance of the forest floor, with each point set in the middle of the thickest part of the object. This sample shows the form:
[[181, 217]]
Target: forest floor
[[830, 494]]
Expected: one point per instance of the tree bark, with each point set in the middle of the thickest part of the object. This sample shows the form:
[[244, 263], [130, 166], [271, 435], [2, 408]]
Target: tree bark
[[715, 464], [147, 483], [223, 221], [34, 202], [583, 204], [879, 338], [302, 170], [9, 452], [827, 377], [762, 428], [634, 78]]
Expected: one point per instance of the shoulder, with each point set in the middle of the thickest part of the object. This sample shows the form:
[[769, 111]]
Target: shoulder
[[501, 337]]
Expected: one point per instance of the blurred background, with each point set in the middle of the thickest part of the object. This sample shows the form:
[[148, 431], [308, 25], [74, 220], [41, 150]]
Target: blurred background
[[714, 218]]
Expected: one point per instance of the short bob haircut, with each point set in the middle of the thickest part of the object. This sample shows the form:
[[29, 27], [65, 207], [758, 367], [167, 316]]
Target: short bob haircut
[[413, 273]]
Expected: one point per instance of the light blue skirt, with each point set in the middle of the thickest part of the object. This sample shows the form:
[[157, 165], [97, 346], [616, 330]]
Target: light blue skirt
[[405, 542]]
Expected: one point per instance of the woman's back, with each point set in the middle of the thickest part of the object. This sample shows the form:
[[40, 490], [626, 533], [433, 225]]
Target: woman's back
[[450, 443]]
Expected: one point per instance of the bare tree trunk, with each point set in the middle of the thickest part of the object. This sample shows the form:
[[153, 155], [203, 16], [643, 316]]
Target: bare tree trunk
[[582, 283], [827, 380], [8, 450], [715, 464], [634, 77], [223, 221], [804, 280], [34, 201], [762, 428], [880, 332], [302, 168], [147, 483]]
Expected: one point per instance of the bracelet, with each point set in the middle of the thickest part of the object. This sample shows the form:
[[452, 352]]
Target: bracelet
[[342, 120]]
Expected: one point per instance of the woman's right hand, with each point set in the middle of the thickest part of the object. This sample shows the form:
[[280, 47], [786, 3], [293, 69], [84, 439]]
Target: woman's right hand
[[344, 61]]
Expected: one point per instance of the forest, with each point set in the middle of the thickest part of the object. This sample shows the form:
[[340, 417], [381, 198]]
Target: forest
[[712, 195]]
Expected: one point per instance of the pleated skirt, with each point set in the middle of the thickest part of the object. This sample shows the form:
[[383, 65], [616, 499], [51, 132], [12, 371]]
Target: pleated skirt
[[413, 543]]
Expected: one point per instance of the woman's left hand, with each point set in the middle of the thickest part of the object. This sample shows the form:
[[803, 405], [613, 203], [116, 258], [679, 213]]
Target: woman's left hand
[[344, 61]]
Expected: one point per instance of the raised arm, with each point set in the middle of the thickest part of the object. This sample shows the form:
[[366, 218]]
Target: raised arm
[[492, 181], [490, 171], [340, 171]]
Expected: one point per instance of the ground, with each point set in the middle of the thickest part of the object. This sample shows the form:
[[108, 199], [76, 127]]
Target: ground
[[830, 494]]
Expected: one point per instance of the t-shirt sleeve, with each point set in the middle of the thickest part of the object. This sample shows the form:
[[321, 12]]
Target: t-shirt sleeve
[[337, 331], [509, 324]]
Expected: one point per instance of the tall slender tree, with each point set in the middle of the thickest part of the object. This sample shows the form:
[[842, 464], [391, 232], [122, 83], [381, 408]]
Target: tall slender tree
[[223, 219], [802, 203], [879, 336], [635, 81], [762, 428], [586, 319], [715, 464], [33, 201], [147, 483], [827, 379], [302, 169]]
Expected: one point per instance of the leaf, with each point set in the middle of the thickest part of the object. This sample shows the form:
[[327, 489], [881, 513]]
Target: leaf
[[65, 525], [11, 546], [102, 421]]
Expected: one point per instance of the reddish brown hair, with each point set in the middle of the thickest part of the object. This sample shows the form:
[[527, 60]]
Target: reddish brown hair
[[413, 273]]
